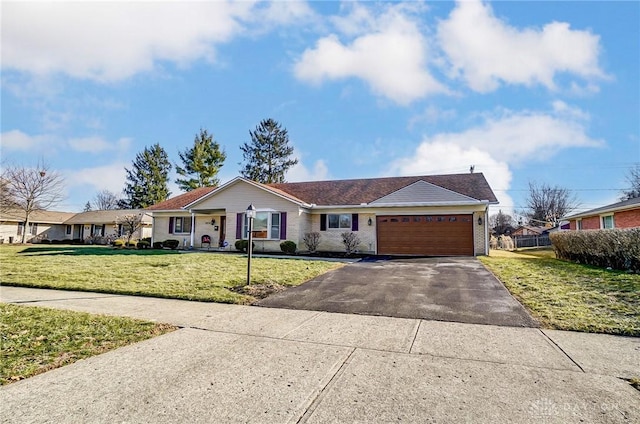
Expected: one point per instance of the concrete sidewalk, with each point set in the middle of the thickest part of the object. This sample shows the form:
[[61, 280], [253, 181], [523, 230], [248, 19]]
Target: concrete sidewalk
[[233, 363]]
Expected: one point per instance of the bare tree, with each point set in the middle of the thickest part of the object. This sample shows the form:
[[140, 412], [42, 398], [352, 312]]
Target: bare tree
[[311, 240], [31, 189], [130, 224], [501, 223], [105, 200], [548, 204], [350, 241], [633, 178]]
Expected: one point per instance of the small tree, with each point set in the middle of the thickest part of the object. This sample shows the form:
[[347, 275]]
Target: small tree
[[312, 241], [202, 162], [29, 190], [87, 207], [350, 241], [267, 156], [130, 224]]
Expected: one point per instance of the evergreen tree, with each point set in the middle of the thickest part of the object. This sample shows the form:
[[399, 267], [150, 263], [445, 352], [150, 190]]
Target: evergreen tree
[[267, 157], [87, 207], [147, 180], [202, 162]]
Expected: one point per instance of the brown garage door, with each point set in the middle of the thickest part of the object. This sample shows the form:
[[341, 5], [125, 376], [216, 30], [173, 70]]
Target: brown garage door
[[431, 235]]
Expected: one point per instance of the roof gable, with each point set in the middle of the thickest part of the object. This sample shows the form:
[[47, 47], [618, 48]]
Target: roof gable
[[423, 192]]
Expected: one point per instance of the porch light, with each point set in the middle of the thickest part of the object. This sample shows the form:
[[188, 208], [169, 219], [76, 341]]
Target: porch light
[[213, 221], [370, 222], [251, 214], [479, 220]]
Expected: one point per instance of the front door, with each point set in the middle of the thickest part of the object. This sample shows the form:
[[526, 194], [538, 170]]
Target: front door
[[223, 230]]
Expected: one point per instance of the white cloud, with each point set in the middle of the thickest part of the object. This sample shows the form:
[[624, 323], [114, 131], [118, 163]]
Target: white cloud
[[16, 140], [432, 115], [96, 144], [110, 41], [504, 138], [390, 54], [110, 177], [485, 51], [300, 172]]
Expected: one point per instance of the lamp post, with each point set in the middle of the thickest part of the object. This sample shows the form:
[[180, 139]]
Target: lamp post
[[251, 214]]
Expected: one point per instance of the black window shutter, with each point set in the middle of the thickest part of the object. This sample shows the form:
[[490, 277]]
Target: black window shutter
[[283, 225], [238, 226], [171, 225], [102, 232], [323, 222], [354, 222]]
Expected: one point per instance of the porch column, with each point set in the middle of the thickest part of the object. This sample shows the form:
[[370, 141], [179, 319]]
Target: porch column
[[193, 229]]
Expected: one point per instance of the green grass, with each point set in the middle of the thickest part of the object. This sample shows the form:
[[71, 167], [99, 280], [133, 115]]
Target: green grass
[[568, 296], [157, 273], [35, 340]]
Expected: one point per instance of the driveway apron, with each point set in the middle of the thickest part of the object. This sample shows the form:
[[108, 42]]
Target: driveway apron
[[443, 289]]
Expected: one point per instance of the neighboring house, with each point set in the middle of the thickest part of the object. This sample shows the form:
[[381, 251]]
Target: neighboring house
[[625, 214], [42, 225], [527, 230], [102, 225], [422, 215]]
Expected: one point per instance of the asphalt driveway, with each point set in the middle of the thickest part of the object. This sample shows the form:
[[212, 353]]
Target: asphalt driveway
[[443, 289]]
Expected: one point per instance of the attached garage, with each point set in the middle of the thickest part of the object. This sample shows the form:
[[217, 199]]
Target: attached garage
[[428, 235]]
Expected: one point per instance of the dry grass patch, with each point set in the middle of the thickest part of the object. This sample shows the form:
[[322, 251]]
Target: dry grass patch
[[158, 273], [569, 296]]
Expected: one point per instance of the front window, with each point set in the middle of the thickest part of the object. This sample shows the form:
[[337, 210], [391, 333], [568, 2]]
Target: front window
[[97, 230], [266, 225], [579, 224], [182, 225], [68, 230], [607, 221], [342, 221]]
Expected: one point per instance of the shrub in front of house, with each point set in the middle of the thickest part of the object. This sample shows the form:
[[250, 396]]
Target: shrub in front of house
[[612, 248], [288, 247], [171, 243], [242, 245], [157, 245], [58, 241], [143, 244], [132, 243], [350, 241], [77, 241], [45, 241], [118, 243], [312, 241]]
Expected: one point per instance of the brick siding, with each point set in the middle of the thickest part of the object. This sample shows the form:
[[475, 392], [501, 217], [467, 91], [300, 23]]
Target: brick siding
[[627, 219]]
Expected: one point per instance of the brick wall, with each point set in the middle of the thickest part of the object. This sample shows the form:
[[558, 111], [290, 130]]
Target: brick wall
[[591, 223], [627, 219]]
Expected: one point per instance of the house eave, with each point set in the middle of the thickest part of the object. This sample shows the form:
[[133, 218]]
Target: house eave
[[600, 212], [403, 205]]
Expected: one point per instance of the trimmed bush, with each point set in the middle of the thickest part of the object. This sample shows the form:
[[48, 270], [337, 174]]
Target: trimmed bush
[[242, 245], [143, 244], [147, 239], [118, 243], [157, 245], [288, 247], [614, 248], [132, 244], [171, 243]]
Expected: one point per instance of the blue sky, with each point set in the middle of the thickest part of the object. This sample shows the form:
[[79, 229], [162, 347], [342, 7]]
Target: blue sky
[[525, 91]]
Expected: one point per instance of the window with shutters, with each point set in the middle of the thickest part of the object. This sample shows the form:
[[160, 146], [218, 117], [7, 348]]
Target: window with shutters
[[266, 225], [339, 221], [182, 225]]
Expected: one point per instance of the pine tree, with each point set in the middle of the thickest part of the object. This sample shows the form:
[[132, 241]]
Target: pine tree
[[267, 157], [87, 207], [147, 180], [202, 162]]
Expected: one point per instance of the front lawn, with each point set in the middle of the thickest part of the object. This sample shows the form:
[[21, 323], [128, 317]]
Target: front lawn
[[568, 296], [35, 340], [158, 273]]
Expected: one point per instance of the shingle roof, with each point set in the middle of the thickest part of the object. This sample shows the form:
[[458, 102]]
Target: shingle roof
[[358, 191], [626, 204], [178, 202], [104, 217], [44, 217]]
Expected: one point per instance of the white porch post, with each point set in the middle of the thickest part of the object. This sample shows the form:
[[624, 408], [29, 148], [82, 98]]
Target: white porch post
[[193, 229]]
